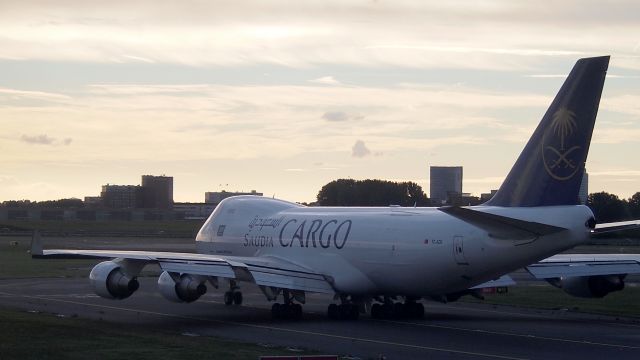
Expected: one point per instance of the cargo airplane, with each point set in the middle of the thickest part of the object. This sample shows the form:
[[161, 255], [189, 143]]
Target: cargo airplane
[[385, 260]]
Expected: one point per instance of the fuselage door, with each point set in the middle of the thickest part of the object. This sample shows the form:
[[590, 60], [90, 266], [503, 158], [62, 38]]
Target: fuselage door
[[458, 250]]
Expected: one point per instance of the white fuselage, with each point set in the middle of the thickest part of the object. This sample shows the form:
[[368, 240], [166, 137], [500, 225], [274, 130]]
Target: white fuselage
[[385, 251]]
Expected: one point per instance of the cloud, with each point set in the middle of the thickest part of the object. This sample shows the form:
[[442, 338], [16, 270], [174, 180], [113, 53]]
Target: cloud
[[45, 139], [38, 139], [360, 150], [26, 94], [405, 34], [335, 116], [326, 80], [338, 116]]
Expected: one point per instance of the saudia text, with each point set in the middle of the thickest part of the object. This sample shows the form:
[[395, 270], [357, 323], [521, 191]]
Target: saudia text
[[304, 233]]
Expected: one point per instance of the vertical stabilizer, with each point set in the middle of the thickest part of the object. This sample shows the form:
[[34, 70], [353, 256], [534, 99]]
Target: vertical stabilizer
[[549, 169]]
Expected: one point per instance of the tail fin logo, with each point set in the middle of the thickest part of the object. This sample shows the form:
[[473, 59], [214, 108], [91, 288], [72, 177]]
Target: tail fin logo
[[561, 161]]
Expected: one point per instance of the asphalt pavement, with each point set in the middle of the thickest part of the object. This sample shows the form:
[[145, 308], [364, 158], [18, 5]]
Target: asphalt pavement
[[453, 331]]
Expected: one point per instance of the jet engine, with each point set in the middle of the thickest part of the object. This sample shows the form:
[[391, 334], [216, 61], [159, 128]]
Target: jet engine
[[110, 280], [592, 286], [184, 288]]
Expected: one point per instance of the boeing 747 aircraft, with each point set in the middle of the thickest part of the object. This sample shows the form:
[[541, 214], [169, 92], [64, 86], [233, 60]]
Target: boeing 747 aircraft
[[384, 261]]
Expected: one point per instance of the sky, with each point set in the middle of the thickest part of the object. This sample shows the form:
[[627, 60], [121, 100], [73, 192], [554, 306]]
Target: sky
[[283, 97]]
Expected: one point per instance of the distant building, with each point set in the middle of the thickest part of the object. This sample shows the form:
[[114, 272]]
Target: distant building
[[193, 210], [484, 197], [445, 184], [583, 194], [157, 192], [121, 196], [93, 201], [217, 197]]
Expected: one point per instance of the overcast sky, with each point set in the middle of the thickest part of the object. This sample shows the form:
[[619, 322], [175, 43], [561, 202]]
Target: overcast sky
[[285, 96]]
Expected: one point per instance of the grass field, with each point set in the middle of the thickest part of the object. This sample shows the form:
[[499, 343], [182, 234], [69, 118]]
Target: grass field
[[44, 336], [622, 303], [16, 263]]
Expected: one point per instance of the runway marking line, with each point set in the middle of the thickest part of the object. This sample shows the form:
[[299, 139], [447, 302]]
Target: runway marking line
[[264, 327], [528, 336], [469, 309]]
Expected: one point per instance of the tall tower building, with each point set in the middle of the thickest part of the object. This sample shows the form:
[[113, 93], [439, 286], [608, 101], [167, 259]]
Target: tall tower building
[[157, 191], [445, 184]]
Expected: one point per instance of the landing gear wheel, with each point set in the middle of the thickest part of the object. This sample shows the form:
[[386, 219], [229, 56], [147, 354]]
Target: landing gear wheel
[[275, 311], [228, 298], [399, 310], [376, 311], [414, 310], [297, 311], [353, 312], [237, 298], [419, 314], [386, 311], [286, 311], [332, 312], [343, 312]]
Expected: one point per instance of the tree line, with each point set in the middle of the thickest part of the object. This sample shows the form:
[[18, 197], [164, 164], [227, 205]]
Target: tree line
[[71, 203], [347, 192]]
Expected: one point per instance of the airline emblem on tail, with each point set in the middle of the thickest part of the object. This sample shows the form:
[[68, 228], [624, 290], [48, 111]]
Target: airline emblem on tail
[[561, 161]]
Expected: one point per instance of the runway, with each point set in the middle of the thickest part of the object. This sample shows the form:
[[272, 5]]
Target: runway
[[454, 331]]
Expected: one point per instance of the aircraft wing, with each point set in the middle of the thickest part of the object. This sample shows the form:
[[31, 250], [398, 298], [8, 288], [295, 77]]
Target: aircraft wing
[[570, 265], [266, 270]]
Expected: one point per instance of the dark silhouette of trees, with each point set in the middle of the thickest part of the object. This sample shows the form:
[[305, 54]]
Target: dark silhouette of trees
[[634, 205], [608, 207], [348, 192], [71, 203]]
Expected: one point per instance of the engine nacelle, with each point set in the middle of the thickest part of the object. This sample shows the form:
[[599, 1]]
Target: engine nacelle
[[592, 286], [187, 288], [109, 280]]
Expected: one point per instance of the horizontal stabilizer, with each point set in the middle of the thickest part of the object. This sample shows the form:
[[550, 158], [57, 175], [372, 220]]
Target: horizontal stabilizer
[[616, 226], [504, 280], [502, 227]]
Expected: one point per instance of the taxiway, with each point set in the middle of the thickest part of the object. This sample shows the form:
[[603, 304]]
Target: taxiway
[[456, 331]]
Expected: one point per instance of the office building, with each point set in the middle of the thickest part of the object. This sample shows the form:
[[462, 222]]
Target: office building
[[445, 184], [157, 192], [218, 196], [121, 196]]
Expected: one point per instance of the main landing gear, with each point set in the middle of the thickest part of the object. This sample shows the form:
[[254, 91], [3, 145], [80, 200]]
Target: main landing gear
[[349, 309], [390, 310], [288, 310], [346, 311], [233, 296]]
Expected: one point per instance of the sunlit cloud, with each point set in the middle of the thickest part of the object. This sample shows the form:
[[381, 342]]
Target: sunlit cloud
[[325, 80], [407, 34]]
